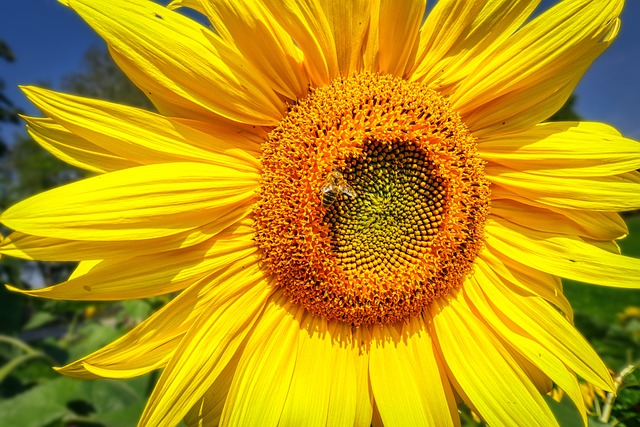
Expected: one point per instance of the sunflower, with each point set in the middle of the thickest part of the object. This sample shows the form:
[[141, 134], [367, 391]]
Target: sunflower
[[362, 214]]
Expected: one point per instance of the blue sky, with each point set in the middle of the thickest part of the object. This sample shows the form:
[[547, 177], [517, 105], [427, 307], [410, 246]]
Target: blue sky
[[49, 41]]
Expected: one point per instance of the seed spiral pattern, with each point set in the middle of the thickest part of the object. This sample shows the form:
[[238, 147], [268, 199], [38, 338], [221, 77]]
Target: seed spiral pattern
[[397, 212], [372, 202]]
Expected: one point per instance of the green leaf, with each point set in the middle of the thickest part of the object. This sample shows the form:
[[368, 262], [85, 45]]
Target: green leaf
[[112, 395], [117, 403], [565, 412], [91, 337], [135, 311], [16, 362], [40, 405], [112, 403], [39, 319], [125, 417]]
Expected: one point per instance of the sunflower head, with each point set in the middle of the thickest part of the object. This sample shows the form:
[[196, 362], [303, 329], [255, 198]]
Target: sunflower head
[[372, 202]]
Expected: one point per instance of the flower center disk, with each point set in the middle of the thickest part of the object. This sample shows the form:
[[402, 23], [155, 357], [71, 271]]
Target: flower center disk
[[373, 200]]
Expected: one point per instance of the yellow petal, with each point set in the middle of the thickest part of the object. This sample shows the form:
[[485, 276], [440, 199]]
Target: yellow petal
[[150, 275], [594, 225], [438, 395], [539, 321], [208, 410], [573, 149], [261, 383], [323, 386], [30, 247], [309, 27], [349, 26], [530, 281], [261, 40], [392, 40], [521, 340], [600, 193], [564, 256], [532, 73], [330, 33], [184, 72], [454, 16], [394, 382], [134, 204], [458, 36], [245, 138], [376, 421], [234, 145], [196, 5], [484, 370], [207, 348], [408, 385], [538, 378], [138, 135], [149, 345], [364, 401], [204, 9], [345, 394], [73, 149]]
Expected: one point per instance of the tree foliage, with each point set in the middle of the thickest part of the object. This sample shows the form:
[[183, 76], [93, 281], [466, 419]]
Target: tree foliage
[[8, 111]]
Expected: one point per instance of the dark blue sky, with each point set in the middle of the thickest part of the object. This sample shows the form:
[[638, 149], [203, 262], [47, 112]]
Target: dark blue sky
[[49, 41]]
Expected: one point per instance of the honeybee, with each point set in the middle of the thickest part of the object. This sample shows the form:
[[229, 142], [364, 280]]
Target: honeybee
[[335, 184]]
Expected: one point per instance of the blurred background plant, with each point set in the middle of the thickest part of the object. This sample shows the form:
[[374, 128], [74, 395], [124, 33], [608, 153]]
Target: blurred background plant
[[37, 334]]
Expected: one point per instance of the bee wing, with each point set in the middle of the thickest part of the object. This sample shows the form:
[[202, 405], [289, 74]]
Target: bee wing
[[328, 187], [332, 182], [348, 190]]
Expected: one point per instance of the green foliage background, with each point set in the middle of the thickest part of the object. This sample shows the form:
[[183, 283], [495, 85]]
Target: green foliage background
[[37, 334]]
